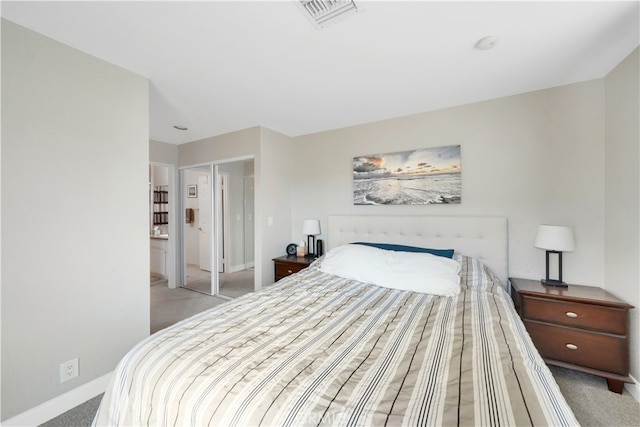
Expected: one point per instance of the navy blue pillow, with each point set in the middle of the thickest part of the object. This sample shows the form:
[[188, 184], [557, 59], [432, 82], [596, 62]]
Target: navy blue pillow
[[447, 253]]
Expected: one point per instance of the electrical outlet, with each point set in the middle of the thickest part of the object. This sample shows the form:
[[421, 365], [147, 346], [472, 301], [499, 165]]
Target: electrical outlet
[[68, 370]]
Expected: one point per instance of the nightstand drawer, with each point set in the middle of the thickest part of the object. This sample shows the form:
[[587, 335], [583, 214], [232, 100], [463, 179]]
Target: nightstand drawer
[[287, 265], [286, 269], [584, 316], [594, 350]]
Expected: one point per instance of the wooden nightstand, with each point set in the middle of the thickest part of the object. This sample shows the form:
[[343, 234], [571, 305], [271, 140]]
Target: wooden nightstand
[[286, 265], [583, 328]]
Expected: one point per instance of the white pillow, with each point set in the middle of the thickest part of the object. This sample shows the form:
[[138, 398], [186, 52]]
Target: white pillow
[[409, 271]]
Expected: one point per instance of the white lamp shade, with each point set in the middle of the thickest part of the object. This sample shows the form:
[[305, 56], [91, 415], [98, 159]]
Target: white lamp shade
[[311, 227], [554, 238]]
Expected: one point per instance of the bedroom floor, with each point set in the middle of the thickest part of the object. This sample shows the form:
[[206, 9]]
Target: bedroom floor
[[231, 285], [592, 403], [169, 306]]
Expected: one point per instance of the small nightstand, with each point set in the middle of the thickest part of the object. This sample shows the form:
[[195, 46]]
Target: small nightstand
[[287, 265], [583, 328]]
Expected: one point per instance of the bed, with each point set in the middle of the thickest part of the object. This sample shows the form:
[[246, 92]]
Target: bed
[[318, 348]]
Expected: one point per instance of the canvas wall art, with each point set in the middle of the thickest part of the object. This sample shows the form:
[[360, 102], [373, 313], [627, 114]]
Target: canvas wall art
[[418, 177]]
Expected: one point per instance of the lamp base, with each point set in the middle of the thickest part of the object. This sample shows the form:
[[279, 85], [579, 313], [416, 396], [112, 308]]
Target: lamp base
[[556, 283]]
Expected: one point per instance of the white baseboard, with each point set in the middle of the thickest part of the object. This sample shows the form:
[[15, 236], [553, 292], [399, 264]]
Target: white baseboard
[[60, 404], [633, 389]]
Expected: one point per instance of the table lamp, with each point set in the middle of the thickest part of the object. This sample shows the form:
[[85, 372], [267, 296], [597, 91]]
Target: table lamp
[[311, 227], [554, 239]]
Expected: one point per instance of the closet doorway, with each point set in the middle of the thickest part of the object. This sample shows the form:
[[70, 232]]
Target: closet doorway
[[219, 228], [197, 192], [236, 229]]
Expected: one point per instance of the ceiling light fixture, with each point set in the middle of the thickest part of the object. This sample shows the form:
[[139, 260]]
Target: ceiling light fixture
[[180, 127], [325, 12], [487, 43]]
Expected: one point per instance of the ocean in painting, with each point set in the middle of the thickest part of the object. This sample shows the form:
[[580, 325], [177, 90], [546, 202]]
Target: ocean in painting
[[416, 190]]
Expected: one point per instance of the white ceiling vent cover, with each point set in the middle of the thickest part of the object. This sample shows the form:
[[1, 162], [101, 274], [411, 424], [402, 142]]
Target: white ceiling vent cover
[[325, 12]]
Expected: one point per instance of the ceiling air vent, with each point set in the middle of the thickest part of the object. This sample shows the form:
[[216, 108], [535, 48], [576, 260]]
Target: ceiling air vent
[[326, 12]]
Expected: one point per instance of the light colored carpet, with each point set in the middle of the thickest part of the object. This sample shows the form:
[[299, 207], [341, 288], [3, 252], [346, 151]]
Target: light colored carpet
[[80, 416], [592, 402], [157, 280], [232, 285], [169, 306], [236, 284]]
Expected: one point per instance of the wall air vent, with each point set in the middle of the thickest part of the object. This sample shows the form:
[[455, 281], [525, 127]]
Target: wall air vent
[[326, 12]]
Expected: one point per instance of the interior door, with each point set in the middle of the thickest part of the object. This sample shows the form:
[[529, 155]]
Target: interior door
[[204, 225]]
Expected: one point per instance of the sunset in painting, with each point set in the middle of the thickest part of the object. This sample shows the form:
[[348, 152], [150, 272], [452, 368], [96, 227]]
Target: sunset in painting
[[418, 177]]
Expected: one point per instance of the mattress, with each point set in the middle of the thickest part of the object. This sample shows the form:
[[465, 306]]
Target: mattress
[[318, 349]]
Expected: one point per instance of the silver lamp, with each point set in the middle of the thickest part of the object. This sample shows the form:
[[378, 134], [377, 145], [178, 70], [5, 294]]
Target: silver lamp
[[311, 227], [555, 239]]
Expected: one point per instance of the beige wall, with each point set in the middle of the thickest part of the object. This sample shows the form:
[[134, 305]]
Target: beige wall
[[535, 158], [161, 152], [622, 192], [274, 180], [229, 146], [75, 246]]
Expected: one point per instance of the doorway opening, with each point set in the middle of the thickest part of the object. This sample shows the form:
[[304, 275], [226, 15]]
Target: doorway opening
[[219, 228], [162, 223]]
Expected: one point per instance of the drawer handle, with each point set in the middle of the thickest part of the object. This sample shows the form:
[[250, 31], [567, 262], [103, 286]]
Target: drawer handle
[[571, 314], [571, 346], [289, 271]]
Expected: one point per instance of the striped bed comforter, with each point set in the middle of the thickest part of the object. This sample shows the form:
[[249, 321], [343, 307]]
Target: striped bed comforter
[[317, 349]]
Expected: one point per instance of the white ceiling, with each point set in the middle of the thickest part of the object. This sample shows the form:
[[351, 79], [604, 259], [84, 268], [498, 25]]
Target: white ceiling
[[217, 67]]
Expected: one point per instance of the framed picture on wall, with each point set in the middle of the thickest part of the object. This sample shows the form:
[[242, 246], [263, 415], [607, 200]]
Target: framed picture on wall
[[418, 177], [192, 190]]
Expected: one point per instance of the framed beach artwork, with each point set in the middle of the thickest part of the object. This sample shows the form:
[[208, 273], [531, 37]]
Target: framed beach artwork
[[419, 177]]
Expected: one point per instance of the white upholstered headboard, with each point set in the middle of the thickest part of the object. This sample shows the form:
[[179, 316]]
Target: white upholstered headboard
[[484, 238]]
